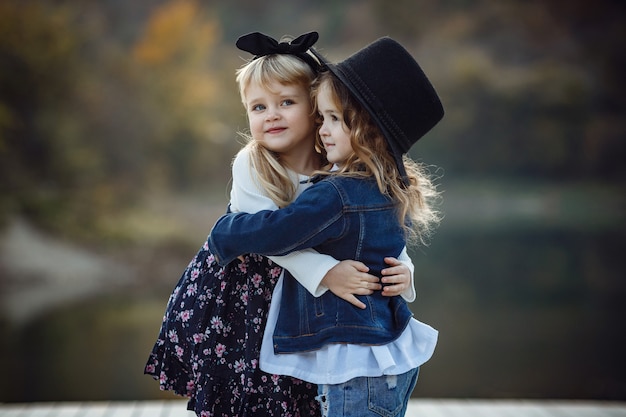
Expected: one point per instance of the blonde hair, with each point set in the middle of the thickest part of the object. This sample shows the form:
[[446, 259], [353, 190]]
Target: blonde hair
[[263, 71], [371, 157]]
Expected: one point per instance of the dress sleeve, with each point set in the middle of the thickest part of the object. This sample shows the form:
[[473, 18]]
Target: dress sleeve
[[308, 267]]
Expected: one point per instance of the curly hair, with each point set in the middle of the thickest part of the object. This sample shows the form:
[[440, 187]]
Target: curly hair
[[416, 202]]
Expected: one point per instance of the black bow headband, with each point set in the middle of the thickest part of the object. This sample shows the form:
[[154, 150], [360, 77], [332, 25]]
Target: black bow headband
[[260, 45]]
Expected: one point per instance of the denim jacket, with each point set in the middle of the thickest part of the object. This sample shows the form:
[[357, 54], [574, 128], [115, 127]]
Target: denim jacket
[[347, 218]]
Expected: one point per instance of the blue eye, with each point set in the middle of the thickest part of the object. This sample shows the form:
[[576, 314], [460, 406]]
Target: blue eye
[[258, 107], [287, 102]]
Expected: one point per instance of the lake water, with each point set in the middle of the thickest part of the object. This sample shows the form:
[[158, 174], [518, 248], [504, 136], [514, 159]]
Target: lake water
[[528, 299]]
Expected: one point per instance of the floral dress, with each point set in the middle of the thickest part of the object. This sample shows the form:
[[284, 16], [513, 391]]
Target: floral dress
[[209, 343]]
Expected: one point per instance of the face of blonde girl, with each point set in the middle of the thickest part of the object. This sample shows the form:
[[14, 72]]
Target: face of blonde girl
[[334, 133], [280, 118]]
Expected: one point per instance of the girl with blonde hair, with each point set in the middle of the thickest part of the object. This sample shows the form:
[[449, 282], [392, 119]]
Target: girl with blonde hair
[[209, 345]]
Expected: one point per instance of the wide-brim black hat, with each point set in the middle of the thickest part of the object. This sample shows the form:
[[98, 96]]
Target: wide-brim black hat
[[392, 87]]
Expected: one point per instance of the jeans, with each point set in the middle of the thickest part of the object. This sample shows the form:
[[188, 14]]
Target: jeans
[[385, 396]]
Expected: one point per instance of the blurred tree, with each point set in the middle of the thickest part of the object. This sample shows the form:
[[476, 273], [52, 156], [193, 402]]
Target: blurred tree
[[172, 61], [88, 124], [102, 102], [39, 65], [598, 30], [529, 90]]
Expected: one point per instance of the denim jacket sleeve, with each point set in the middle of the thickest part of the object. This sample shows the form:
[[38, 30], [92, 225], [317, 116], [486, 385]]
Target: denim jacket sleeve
[[315, 216]]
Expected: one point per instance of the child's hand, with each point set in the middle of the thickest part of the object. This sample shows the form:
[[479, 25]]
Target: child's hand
[[398, 274], [350, 278]]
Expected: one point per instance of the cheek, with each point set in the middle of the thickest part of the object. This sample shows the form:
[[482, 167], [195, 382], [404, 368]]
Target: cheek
[[256, 128], [255, 122]]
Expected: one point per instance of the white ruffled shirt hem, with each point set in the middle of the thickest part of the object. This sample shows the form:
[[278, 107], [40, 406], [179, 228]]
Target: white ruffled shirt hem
[[338, 363]]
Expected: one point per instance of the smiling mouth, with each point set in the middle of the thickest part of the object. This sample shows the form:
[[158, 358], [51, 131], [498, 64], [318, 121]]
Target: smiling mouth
[[276, 129]]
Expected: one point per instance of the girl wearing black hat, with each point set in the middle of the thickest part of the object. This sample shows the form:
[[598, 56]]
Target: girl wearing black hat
[[208, 346], [373, 106]]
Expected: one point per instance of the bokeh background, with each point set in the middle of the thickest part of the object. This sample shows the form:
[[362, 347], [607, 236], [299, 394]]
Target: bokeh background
[[119, 119]]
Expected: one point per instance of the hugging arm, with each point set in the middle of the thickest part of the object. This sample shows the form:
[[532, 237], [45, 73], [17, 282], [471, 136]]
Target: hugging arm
[[309, 267], [399, 277], [315, 218]]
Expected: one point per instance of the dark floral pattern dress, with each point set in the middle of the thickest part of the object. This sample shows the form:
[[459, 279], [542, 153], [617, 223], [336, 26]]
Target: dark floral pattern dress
[[209, 343]]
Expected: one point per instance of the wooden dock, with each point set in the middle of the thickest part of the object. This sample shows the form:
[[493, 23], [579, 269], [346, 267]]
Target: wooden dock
[[417, 408]]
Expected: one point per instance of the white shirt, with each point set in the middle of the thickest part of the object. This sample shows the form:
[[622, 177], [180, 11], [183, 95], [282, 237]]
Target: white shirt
[[334, 363]]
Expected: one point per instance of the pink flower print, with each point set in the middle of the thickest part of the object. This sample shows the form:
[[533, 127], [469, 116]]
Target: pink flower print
[[173, 336], [257, 280], [275, 272], [162, 378], [243, 267], [179, 351], [198, 338], [216, 323], [254, 363], [190, 387], [191, 289], [223, 285], [275, 378], [185, 315], [150, 369], [195, 273], [240, 366], [219, 350], [244, 297], [236, 393]]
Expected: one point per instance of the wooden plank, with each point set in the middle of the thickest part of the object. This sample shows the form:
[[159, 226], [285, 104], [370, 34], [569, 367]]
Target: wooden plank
[[417, 408], [122, 409], [63, 409], [427, 408], [513, 408], [149, 409], [95, 409], [177, 409], [12, 410]]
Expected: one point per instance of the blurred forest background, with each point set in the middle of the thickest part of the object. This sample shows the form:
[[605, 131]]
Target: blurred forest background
[[119, 119]]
